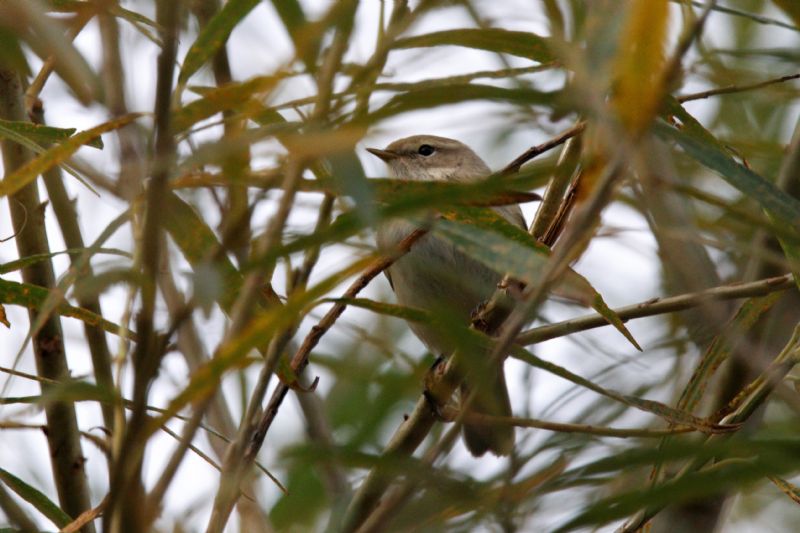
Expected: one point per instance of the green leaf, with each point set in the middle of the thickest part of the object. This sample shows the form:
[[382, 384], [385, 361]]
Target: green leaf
[[517, 43], [670, 414], [214, 35], [458, 93], [488, 237], [12, 266], [57, 154], [232, 96], [721, 347], [399, 311], [697, 142], [306, 43], [197, 240], [42, 503], [40, 134], [34, 297], [257, 331]]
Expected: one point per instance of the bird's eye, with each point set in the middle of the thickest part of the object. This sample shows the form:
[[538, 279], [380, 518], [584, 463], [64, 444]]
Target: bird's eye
[[426, 150]]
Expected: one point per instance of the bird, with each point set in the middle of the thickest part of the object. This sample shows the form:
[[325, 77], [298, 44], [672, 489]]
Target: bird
[[437, 277]]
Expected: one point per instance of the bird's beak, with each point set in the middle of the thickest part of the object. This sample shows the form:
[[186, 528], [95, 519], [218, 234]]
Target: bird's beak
[[386, 155]]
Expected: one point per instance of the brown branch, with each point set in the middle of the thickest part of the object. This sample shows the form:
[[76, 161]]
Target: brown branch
[[300, 359], [658, 306], [67, 217], [539, 149], [27, 216], [126, 493]]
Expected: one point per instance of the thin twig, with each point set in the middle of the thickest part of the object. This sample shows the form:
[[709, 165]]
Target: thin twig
[[731, 89], [658, 306], [539, 149]]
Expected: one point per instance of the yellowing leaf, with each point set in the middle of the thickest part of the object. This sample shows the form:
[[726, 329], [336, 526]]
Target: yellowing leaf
[[791, 8], [58, 153], [639, 64]]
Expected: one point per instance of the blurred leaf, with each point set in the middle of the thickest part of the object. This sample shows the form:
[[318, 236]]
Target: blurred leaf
[[233, 96], [75, 390], [46, 37], [37, 499], [518, 43], [723, 477], [670, 414], [696, 141], [57, 154], [304, 500], [304, 36], [639, 63], [458, 93], [11, 266], [721, 347], [213, 36], [11, 55], [34, 297], [197, 241], [39, 133], [398, 311], [258, 331], [488, 237], [791, 8], [3, 317], [349, 179]]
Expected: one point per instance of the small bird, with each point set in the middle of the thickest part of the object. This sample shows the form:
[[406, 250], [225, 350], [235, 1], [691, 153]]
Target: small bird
[[435, 276]]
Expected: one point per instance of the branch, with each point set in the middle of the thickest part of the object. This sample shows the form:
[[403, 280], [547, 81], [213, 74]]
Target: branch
[[658, 306], [731, 89], [539, 149], [27, 216]]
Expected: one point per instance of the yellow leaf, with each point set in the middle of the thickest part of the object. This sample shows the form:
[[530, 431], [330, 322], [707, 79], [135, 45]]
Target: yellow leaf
[[57, 154], [640, 63], [791, 8]]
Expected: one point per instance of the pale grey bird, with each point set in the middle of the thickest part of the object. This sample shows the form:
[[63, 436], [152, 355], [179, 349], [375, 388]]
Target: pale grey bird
[[437, 277]]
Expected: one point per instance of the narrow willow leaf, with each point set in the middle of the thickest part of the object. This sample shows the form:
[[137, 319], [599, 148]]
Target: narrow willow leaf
[[45, 36], [640, 63], [791, 8], [78, 391], [36, 498], [720, 348], [57, 154], [670, 414], [39, 133], [725, 476], [233, 96], [34, 297], [517, 43], [197, 240], [456, 94], [234, 353], [488, 237], [12, 266], [214, 35], [399, 311], [694, 140], [304, 36]]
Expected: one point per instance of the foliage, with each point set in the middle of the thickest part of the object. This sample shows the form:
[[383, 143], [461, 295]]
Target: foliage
[[204, 233]]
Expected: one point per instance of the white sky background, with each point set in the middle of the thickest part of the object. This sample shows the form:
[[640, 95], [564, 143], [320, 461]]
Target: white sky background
[[623, 268]]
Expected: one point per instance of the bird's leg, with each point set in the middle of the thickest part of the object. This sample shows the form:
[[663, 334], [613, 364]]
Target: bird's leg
[[439, 406]]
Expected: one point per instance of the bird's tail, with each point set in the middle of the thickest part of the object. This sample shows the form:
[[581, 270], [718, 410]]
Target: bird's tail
[[491, 399]]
